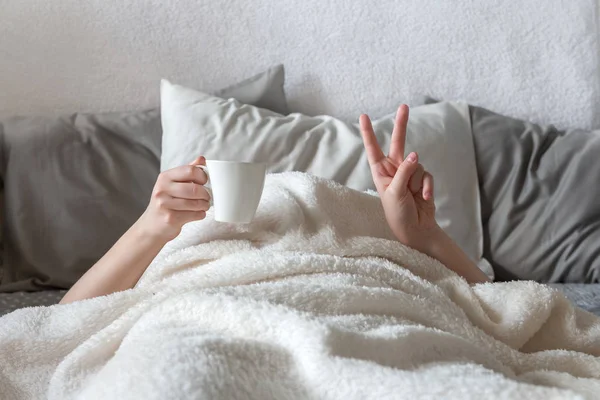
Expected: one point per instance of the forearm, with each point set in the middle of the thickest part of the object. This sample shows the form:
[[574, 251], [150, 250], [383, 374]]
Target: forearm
[[445, 250], [120, 268]]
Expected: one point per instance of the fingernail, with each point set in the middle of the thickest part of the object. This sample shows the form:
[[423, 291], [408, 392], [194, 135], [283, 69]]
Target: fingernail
[[412, 157]]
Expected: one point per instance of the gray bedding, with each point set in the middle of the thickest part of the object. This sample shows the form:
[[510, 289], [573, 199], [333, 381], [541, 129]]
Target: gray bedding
[[10, 302], [586, 296], [539, 199], [91, 170]]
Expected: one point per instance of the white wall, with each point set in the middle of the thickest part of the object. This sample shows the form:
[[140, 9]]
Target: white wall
[[536, 59]]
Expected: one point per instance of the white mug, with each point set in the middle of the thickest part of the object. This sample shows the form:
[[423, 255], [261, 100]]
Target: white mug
[[236, 188]]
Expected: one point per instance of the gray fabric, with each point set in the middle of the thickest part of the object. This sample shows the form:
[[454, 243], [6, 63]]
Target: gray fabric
[[264, 90], [10, 302], [540, 191], [1, 230], [586, 296], [74, 184]]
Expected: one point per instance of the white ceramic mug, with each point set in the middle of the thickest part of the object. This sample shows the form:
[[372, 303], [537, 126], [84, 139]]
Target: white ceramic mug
[[236, 188]]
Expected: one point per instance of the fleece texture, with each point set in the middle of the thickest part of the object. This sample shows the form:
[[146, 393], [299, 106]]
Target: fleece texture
[[312, 300], [538, 59]]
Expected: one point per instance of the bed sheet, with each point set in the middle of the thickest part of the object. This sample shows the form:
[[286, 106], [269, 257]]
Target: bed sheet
[[586, 296], [13, 301]]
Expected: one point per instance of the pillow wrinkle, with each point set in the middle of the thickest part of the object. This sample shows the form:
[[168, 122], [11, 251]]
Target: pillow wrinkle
[[76, 183], [539, 190], [330, 148]]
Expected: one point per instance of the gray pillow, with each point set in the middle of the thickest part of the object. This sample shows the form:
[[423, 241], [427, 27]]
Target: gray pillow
[[540, 190], [74, 184]]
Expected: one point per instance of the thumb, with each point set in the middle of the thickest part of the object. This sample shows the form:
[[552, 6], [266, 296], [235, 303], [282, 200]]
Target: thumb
[[403, 174], [199, 161]]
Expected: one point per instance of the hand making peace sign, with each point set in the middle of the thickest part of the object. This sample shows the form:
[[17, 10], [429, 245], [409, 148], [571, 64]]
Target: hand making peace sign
[[405, 188]]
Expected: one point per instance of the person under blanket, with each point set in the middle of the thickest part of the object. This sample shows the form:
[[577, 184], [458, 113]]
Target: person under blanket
[[179, 197]]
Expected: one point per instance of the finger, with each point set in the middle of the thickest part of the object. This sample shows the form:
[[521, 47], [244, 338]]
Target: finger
[[374, 153], [173, 203], [187, 190], [428, 187], [183, 217], [199, 161], [187, 173], [189, 216], [416, 180], [399, 135], [405, 171]]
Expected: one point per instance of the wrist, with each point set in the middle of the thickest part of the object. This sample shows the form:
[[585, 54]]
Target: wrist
[[149, 237], [441, 247], [432, 241]]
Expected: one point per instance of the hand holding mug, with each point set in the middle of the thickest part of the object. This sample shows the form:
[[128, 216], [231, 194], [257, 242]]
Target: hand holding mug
[[178, 197]]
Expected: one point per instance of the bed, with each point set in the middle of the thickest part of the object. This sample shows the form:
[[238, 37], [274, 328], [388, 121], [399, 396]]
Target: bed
[[10, 302], [586, 296], [583, 295], [501, 102]]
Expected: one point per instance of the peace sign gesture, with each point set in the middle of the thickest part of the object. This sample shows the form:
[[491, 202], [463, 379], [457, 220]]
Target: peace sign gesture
[[405, 188]]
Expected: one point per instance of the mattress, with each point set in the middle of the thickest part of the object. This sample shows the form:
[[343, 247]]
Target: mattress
[[586, 296]]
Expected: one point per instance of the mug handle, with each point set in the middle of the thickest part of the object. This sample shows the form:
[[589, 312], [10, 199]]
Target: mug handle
[[207, 185]]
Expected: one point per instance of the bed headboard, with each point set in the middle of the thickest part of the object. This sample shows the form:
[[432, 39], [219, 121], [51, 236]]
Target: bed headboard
[[537, 59]]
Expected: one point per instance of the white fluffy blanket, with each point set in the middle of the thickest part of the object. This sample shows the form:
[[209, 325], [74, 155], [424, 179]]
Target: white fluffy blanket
[[311, 301]]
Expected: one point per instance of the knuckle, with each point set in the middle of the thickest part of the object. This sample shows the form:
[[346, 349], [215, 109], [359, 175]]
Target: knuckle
[[161, 177], [160, 202], [158, 192], [170, 218], [159, 188], [191, 170]]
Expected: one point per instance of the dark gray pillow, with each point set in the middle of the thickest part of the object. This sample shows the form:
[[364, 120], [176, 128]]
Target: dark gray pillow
[[540, 195], [74, 184]]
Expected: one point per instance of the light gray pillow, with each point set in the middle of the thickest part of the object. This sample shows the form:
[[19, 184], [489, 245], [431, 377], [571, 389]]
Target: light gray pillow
[[325, 146], [540, 190], [74, 184]]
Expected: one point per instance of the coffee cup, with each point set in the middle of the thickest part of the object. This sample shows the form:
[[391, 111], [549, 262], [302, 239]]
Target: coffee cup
[[236, 188]]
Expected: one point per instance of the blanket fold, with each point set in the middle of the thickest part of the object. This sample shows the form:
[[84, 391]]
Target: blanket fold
[[313, 299]]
